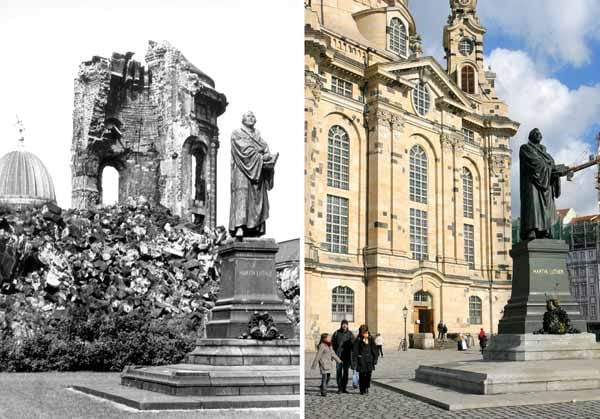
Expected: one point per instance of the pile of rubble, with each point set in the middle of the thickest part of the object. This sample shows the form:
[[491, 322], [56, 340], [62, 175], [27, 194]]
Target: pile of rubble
[[288, 280], [111, 259]]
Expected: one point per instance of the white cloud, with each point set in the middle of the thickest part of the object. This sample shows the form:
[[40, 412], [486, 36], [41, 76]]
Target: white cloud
[[563, 115], [552, 29]]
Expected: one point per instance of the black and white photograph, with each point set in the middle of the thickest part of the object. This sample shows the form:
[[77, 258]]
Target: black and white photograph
[[151, 208]]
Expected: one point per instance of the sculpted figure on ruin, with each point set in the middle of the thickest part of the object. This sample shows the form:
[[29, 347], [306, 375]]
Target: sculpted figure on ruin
[[252, 173]]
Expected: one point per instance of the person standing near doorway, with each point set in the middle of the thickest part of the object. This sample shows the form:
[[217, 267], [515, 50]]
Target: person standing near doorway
[[379, 344], [364, 358], [342, 345]]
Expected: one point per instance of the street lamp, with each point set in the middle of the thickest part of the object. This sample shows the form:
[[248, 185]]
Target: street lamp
[[405, 315]]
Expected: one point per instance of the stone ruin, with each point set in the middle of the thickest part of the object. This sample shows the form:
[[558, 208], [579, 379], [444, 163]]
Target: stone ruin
[[156, 124]]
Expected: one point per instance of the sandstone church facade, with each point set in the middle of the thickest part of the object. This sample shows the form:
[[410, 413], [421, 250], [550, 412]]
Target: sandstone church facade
[[407, 173]]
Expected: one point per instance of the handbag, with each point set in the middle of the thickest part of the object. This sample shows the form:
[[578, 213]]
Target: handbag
[[355, 379]]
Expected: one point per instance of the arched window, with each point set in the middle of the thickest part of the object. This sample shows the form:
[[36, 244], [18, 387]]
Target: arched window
[[338, 157], [422, 297], [467, 193], [398, 36], [421, 99], [468, 79], [475, 310], [342, 304], [110, 186], [418, 175]]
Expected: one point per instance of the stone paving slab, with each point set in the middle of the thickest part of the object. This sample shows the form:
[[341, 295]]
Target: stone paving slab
[[147, 400], [499, 377], [452, 400]]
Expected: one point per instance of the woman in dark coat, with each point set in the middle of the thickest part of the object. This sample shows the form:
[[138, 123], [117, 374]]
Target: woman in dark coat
[[364, 358]]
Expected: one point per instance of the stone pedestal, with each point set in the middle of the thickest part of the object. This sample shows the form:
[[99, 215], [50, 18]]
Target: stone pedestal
[[248, 284], [423, 341], [539, 272], [530, 347], [224, 370]]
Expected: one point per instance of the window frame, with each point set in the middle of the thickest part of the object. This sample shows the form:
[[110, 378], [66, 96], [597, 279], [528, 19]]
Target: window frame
[[418, 174], [469, 244], [419, 234], [468, 202], [421, 99], [342, 296], [398, 37], [475, 307], [336, 239], [342, 87], [468, 79], [338, 158], [463, 41]]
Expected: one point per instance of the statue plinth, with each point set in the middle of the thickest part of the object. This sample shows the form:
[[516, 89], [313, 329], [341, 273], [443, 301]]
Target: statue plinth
[[248, 284], [539, 273]]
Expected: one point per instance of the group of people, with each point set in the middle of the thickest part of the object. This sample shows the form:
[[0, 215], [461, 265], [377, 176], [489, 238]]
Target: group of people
[[346, 351]]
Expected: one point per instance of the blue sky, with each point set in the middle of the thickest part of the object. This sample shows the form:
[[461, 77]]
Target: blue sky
[[546, 54]]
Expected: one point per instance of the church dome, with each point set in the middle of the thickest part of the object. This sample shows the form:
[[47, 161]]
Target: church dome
[[24, 180]]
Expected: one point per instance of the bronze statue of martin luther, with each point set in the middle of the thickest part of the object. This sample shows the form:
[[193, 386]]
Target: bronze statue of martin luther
[[540, 186]]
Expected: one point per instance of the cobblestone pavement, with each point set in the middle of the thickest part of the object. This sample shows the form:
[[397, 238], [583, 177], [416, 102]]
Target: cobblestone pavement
[[387, 404]]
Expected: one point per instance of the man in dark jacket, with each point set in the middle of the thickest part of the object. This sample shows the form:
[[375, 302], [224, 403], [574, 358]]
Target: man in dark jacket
[[341, 343]]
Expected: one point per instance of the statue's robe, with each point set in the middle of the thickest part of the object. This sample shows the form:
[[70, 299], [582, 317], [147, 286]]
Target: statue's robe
[[540, 185], [250, 181]]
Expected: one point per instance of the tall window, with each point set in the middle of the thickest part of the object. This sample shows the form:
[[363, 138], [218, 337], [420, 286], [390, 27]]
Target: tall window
[[470, 245], [398, 36], [341, 86], [418, 175], [342, 304], [418, 234], [421, 99], [110, 186], [337, 224], [468, 79], [338, 154], [467, 193], [468, 136], [475, 310]]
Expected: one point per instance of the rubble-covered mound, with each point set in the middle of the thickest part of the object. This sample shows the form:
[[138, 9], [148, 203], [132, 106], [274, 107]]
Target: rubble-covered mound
[[88, 269]]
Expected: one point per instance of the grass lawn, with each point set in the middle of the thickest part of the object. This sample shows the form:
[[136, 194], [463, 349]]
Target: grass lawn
[[46, 395]]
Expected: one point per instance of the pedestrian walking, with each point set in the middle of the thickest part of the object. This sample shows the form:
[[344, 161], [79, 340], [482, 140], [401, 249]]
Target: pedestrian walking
[[440, 329], [342, 346], [325, 357], [379, 344], [444, 332], [364, 358], [462, 343], [482, 340]]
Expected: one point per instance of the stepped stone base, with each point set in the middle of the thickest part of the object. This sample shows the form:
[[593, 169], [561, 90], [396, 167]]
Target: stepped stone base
[[238, 352], [530, 347], [488, 377], [202, 380]]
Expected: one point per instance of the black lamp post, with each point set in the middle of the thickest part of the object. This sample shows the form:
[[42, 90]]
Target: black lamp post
[[405, 315]]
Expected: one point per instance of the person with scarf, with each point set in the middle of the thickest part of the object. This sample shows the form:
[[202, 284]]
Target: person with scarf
[[324, 359], [364, 358]]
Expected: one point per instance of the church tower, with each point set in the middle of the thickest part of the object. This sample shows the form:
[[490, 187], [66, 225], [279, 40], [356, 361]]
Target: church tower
[[463, 43]]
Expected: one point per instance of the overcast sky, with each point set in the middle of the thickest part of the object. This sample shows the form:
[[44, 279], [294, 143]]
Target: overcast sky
[[546, 54], [252, 49]]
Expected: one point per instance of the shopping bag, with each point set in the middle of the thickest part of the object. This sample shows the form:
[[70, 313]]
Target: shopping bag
[[355, 379]]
